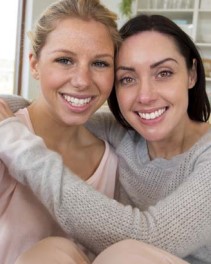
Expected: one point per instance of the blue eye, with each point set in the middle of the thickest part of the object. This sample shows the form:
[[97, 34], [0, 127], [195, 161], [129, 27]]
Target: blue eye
[[65, 61], [101, 64]]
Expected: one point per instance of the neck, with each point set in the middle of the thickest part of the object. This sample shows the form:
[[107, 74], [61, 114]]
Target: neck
[[54, 132], [179, 142]]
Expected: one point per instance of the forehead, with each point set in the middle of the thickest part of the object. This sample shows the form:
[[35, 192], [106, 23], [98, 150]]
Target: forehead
[[148, 45], [80, 32]]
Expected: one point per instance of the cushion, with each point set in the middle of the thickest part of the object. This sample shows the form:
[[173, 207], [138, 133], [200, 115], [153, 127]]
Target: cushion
[[15, 102]]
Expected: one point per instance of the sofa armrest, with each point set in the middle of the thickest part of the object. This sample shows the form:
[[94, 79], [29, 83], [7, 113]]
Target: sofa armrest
[[15, 102]]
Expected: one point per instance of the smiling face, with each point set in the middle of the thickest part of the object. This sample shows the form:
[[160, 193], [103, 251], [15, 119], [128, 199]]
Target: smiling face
[[152, 85], [75, 69]]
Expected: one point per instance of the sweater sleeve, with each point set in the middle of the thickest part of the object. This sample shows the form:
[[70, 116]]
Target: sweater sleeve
[[179, 223], [104, 125]]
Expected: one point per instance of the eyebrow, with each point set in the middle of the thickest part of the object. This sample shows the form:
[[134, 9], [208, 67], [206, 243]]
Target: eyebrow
[[72, 53], [125, 68], [104, 55], [154, 65]]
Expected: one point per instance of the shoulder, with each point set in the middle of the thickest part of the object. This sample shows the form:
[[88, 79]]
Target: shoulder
[[104, 125], [202, 149], [204, 143], [23, 116], [102, 119]]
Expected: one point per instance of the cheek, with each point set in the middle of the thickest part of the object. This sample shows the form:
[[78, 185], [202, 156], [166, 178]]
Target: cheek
[[48, 84], [184, 99], [180, 93], [55, 81], [177, 96], [175, 90], [124, 99], [106, 83]]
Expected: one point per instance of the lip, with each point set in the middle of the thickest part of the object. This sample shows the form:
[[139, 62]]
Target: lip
[[77, 103], [79, 96], [152, 116]]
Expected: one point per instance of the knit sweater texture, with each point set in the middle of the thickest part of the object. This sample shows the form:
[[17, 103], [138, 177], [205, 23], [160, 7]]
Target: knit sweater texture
[[163, 202]]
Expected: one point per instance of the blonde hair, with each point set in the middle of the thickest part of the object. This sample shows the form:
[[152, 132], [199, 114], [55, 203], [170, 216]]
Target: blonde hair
[[63, 9]]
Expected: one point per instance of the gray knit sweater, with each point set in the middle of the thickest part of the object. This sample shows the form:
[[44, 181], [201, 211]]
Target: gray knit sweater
[[166, 202]]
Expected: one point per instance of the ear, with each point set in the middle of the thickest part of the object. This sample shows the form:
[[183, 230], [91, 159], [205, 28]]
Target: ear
[[33, 61], [192, 75]]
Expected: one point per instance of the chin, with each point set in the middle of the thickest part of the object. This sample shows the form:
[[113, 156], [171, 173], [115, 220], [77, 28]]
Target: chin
[[152, 137]]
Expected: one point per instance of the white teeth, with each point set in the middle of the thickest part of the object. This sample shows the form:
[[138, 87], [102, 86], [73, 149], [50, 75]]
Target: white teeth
[[76, 101], [153, 115]]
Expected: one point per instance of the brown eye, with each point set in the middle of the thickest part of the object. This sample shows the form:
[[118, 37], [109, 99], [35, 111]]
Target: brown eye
[[164, 74], [126, 80]]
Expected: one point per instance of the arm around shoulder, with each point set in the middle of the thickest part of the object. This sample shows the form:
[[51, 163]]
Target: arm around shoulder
[[104, 125], [186, 213]]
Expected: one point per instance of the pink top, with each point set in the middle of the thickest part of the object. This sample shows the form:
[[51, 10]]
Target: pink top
[[23, 219]]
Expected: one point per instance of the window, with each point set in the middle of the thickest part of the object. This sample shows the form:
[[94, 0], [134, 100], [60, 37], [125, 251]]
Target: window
[[9, 44]]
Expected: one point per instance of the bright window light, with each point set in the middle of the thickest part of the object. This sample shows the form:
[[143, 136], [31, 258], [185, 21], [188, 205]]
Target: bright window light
[[8, 29]]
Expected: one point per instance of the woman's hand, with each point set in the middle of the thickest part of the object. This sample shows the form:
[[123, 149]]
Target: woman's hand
[[53, 250], [5, 111]]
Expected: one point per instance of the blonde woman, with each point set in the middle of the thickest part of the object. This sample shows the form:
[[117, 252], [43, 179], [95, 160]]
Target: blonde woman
[[72, 58]]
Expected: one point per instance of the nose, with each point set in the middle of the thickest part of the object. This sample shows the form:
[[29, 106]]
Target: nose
[[81, 77], [147, 91]]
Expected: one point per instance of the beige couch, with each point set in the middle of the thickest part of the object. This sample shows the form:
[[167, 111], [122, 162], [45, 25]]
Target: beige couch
[[15, 102]]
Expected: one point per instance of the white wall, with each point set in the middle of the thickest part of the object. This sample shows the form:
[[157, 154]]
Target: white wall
[[114, 6], [30, 87]]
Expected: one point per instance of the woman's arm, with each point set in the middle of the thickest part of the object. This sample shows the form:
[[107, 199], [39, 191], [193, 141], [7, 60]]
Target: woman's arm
[[179, 224], [104, 125]]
